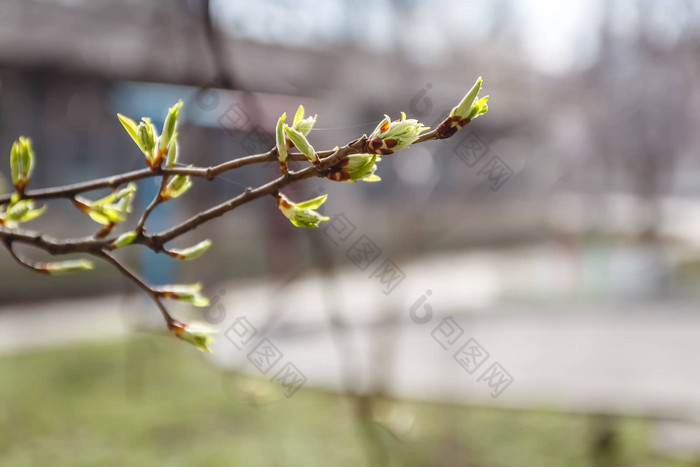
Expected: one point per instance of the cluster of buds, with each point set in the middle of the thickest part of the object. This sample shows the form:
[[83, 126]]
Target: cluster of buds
[[18, 211], [303, 124], [21, 163], [145, 135], [179, 184], [110, 210], [190, 293], [467, 110], [355, 167], [302, 214], [286, 135], [390, 136], [198, 334]]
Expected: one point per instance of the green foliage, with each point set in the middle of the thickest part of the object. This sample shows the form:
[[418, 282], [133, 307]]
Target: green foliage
[[148, 402], [299, 140], [112, 209], [190, 293], [145, 135], [302, 214], [64, 267], [18, 211], [192, 252], [471, 106]]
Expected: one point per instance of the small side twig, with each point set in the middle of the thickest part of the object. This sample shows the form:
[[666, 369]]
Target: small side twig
[[21, 206], [138, 281], [7, 243], [157, 199]]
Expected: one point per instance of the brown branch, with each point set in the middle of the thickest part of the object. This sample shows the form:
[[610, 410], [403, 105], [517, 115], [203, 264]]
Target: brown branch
[[251, 194], [54, 246], [329, 159], [68, 191], [23, 262], [156, 241], [138, 281], [100, 247], [157, 199], [208, 173]]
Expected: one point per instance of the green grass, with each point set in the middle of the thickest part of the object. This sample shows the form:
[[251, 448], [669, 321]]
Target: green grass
[[157, 402]]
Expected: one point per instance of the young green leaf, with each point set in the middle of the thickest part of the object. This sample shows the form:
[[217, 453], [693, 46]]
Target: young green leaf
[[192, 252], [301, 143], [124, 239], [130, 127], [63, 267], [281, 142], [198, 334], [302, 214], [170, 125]]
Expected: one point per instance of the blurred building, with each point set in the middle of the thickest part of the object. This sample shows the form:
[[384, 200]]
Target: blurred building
[[555, 155]]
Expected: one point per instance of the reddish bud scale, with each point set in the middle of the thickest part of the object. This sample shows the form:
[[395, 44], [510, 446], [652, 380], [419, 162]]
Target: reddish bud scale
[[336, 172], [106, 230], [158, 159], [167, 294], [84, 208], [337, 176], [376, 145], [42, 268], [176, 326], [21, 185], [160, 156], [175, 255], [283, 202], [450, 126]]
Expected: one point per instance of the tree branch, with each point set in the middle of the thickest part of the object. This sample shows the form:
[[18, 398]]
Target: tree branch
[[157, 199], [100, 247], [251, 194], [114, 181], [138, 281], [23, 262], [89, 244]]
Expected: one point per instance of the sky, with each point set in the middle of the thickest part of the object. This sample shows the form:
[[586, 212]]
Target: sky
[[556, 36]]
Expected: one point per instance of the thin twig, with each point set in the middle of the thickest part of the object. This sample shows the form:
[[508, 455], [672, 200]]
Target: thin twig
[[157, 199], [100, 247], [208, 173], [138, 281], [23, 262], [250, 194], [54, 246], [156, 242]]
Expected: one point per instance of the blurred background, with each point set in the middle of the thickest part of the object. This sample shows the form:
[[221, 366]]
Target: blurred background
[[521, 294]]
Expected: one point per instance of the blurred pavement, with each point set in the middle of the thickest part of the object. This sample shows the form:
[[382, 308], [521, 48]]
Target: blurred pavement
[[638, 358]]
